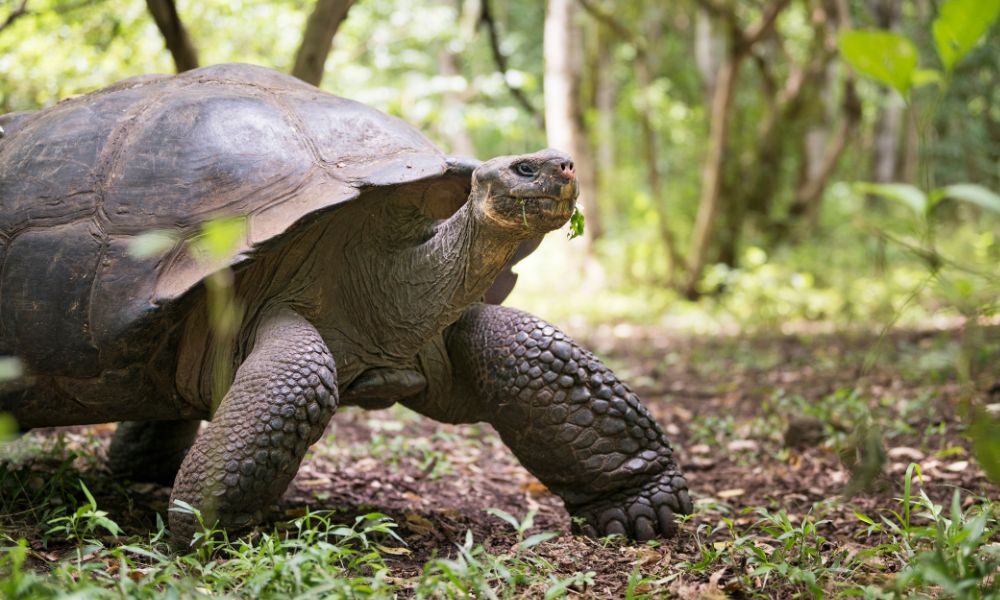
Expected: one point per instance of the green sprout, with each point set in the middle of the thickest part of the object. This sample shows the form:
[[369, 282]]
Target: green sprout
[[576, 222]]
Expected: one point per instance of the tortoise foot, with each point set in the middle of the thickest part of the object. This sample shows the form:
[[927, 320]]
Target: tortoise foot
[[642, 513]]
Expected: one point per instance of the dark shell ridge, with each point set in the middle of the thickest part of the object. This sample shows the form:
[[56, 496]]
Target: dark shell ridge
[[80, 180]]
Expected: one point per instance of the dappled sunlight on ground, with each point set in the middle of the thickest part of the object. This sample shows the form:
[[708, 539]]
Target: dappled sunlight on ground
[[766, 429]]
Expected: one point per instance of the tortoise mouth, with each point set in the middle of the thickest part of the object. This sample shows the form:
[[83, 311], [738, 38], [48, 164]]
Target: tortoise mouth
[[536, 212], [545, 202]]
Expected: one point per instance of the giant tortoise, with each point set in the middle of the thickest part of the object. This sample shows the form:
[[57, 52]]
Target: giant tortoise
[[369, 272]]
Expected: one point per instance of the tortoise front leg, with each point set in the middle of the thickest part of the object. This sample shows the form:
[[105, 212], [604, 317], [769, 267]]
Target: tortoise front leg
[[569, 420], [280, 402]]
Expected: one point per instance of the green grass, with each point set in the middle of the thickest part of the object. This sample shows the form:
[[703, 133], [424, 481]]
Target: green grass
[[311, 556], [920, 549], [916, 549]]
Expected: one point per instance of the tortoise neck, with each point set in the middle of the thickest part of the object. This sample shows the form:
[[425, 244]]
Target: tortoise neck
[[470, 253]]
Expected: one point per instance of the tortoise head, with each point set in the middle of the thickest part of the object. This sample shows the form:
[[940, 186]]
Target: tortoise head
[[525, 195]]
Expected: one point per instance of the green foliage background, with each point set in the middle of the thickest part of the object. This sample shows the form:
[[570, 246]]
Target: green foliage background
[[390, 54]]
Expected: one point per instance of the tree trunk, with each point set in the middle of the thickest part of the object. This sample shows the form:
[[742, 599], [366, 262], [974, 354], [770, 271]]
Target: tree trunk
[[651, 162], [886, 159], [823, 158], [317, 40], [740, 42], [605, 102], [563, 119], [709, 47], [888, 132], [453, 126], [169, 23], [647, 65], [712, 172]]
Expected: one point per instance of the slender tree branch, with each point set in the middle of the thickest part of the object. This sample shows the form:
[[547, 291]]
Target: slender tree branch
[[616, 26], [317, 39], [644, 77], [812, 187], [724, 13], [746, 37], [763, 28], [17, 13], [175, 35], [486, 19], [768, 80], [741, 43]]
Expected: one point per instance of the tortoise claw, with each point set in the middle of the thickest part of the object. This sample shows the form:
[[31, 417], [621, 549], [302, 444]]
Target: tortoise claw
[[641, 514]]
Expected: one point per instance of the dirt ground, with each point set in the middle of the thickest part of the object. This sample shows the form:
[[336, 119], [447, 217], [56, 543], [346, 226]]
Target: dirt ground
[[756, 422]]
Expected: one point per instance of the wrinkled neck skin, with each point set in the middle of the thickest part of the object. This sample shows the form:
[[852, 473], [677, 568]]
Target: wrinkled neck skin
[[467, 253], [401, 277], [378, 280]]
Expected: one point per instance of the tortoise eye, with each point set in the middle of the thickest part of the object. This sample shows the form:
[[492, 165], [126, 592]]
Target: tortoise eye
[[526, 169]]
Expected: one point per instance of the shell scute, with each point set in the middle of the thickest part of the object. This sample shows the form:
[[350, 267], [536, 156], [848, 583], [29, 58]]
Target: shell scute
[[78, 181]]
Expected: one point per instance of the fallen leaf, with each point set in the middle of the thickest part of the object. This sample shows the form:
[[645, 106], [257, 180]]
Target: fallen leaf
[[392, 551], [313, 482], [700, 462], [951, 451], [716, 577], [417, 524], [534, 488], [740, 445], [731, 493], [645, 555], [366, 465], [413, 497], [906, 453], [957, 467], [699, 449]]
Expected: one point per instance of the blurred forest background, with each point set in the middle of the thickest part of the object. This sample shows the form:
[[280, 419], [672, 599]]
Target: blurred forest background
[[719, 143], [799, 167]]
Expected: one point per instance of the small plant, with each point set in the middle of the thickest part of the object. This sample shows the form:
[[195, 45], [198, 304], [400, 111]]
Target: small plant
[[967, 282], [214, 246], [85, 522], [773, 551], [522, 527], [712, 429], [963, 559], [10, 368], [398, 451], [951, 553], [576, 581], [576, 223], [475, 572]]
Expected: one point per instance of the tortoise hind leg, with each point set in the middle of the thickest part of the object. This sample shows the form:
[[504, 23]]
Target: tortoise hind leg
[[566, 417], [150, 450], [279, 403]]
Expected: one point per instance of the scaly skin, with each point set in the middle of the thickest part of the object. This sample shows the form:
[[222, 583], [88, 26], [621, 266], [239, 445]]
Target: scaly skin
[[150, 450], [569, 420], [280, 402]]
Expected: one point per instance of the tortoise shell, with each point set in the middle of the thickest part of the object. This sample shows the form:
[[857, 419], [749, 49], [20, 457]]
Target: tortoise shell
[[80, 180]]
